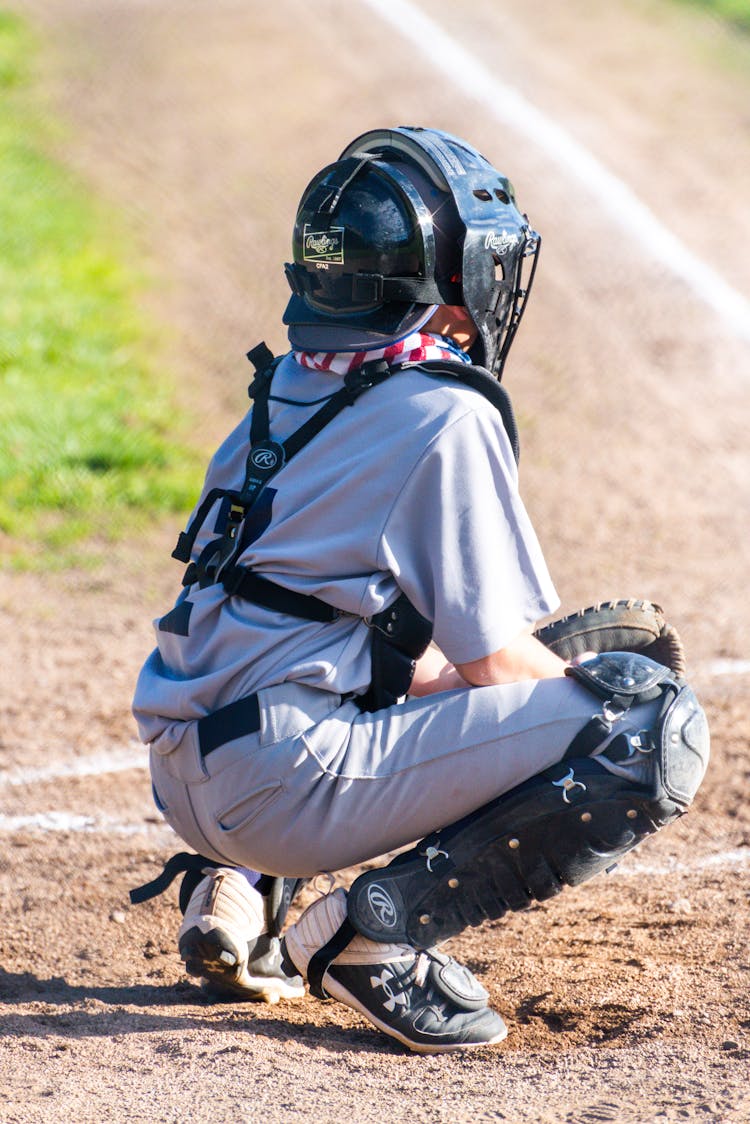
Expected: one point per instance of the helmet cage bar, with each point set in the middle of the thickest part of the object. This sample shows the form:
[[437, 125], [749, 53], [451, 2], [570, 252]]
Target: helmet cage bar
[[395, 140], [521, 292]]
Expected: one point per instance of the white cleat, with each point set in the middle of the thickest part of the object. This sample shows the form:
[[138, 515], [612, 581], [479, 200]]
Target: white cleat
[[225, 940]]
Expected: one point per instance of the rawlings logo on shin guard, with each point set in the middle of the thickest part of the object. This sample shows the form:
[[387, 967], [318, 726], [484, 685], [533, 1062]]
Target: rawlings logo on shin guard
[[381, 905]]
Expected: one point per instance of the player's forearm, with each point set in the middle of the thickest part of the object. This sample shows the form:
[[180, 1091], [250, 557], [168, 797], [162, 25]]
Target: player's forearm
[[524, 658], [434, 673]]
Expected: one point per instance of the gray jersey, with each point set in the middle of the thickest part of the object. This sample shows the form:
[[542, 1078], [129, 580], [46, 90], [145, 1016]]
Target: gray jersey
[[414, 488]]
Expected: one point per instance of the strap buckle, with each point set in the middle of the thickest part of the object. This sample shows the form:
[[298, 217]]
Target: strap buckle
[[569, 784], [367, 288], [366, 376], [432, 853], [613, 710]]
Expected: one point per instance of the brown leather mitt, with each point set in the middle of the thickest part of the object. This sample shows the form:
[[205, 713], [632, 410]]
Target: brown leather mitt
[[616, 626]]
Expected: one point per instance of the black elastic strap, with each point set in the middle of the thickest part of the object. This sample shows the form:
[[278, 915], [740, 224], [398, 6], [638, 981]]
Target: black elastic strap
[[241, 582], [421, 290], [229, 723], [259, 419], [376, 288], [320, 961], [318, 421], [355, 383], [256, 476], [588, 740]]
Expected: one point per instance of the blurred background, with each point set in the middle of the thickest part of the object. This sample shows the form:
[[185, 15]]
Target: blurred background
[[152, 156], [155, 154]]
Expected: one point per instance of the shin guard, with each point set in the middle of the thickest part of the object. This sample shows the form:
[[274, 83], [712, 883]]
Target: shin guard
[[558, 828]]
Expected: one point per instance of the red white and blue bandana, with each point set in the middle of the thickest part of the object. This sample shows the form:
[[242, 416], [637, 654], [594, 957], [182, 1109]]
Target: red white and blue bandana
[[415, 348]]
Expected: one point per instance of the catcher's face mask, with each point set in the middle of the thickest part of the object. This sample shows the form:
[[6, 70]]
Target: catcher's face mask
[[405, 220]]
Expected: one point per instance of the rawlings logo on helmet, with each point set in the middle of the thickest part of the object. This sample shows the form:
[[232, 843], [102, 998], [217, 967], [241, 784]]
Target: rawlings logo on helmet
[[500, 243], [323, 245]]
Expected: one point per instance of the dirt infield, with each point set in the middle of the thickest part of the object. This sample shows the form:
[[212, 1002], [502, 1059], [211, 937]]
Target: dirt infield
[[628, 1000]]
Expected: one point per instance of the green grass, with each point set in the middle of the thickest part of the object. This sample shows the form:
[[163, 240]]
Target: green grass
[[92, 439], [734, 12]]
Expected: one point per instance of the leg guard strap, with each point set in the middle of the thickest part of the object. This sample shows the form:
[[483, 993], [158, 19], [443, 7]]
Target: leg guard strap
[[182, 863], [279, 893], [320, 960]]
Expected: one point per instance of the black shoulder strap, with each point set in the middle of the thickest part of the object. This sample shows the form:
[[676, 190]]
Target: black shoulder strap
[[265, 458], [478, 379], [265, 364]]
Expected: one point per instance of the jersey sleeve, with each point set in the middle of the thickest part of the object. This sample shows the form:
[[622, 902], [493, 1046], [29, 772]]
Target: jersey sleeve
[[460, 544]]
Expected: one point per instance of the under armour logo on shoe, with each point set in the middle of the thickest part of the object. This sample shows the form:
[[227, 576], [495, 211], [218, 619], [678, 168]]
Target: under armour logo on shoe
[[383, 980]]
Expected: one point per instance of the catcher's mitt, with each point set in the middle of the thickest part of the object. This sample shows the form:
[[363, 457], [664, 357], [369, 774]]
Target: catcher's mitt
[[617, 626]]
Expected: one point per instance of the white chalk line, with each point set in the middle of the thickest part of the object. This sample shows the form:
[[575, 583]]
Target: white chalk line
[[722, 860], [123, 760], [505, 103], [716, 669], [60, 821], [118, 761], [67, 822], [97, 765]]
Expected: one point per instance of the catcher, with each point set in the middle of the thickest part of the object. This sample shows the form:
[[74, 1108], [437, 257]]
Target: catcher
[[351, 664]]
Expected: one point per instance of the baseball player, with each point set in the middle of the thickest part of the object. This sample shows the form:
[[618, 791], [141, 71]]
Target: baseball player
[[351, 664]]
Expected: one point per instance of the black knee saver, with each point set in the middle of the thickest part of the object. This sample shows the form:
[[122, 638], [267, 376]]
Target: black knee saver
[[558, 828]]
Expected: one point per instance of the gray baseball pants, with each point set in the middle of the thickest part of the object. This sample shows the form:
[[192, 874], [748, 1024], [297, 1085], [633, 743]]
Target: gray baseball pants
[[322, 786]]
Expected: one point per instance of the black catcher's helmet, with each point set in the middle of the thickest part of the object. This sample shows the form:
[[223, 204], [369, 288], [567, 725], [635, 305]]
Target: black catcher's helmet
[[407, 219]]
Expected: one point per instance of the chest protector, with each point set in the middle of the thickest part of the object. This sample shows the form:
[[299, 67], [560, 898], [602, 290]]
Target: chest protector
[[400, 634]]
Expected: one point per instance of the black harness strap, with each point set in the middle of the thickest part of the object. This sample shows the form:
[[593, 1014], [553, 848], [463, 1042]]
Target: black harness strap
[[186, 539], [239, 581], [399, 633], [178, 864], [322, 959], [265, 458]]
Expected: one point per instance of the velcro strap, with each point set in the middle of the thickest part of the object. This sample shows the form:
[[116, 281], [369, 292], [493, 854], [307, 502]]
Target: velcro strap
[[230, 722]]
